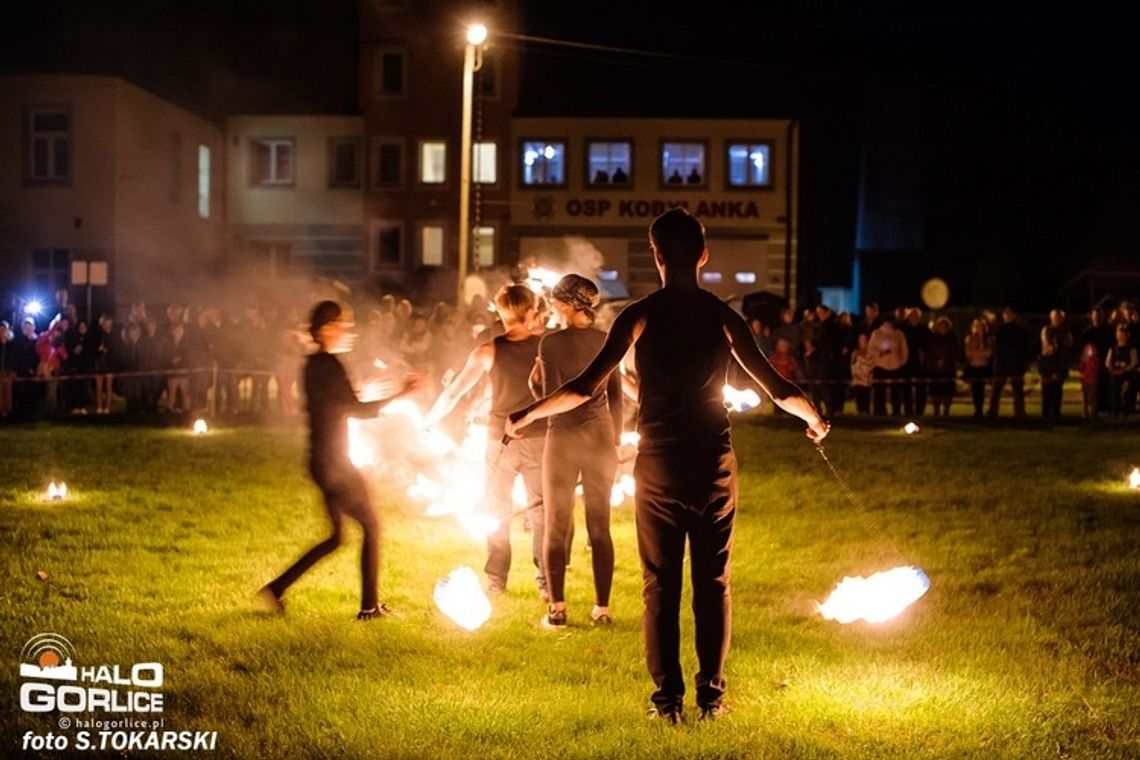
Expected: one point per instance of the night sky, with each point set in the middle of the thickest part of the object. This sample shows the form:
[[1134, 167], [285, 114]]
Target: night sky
[[1011, 131]]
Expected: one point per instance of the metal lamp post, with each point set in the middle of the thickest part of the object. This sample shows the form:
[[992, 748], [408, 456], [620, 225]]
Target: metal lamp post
[[472, 61]]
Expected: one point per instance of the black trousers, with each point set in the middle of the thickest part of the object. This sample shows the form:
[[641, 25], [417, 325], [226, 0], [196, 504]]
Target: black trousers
[[686, 495], [1051, 394], [345, 495], [1016, 386], [587, 450]]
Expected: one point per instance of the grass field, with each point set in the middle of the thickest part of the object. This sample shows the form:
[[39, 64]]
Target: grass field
[[1027, 645]]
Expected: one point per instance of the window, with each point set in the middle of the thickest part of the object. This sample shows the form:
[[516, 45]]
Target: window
[[431, 245], [389, 168], [203, 182], [487, 77], [543, 163], [390, 73], [433, 162], [746, 278], [712, 277], [483, 243], [389, 245], [272, 161], [484, 163], [51, 269], [683, 163], [609, 163], [49, 145], [344, 162], [748, 164]]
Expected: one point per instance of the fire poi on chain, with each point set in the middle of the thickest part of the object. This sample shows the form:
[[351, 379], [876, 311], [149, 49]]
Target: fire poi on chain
[[737, 400], [911, 428], [56, 491], [1134, 479], [460, 596], [882, 595], [200, 427]]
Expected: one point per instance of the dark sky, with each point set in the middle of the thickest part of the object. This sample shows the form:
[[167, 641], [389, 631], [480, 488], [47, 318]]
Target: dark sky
[[1023, 148]]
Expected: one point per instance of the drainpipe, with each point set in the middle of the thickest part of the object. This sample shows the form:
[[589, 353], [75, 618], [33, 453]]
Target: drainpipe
[[789, 195]]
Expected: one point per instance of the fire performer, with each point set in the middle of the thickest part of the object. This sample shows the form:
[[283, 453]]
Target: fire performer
[[685, 468], [508, 359], [580, 442], [331, 400]]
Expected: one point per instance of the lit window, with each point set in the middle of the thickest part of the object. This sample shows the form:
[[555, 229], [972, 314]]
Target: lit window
[[433, 162], [344, 162], [712, 277], [609, 163], [748, 164], [543, 163], [390, 73], [484, 244], [389, 164], [683, 163], [272, 162], [484, 163], [49, 146], [746, 278], [389, 251], [431, 243], [608, 275], [203, 182]]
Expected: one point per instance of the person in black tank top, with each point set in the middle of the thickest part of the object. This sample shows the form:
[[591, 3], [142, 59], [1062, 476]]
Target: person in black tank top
[[686, 468], [582, 442], [331, 401], [508, 359]]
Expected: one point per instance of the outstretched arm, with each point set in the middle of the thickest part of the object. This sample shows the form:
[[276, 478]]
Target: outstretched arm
[[625, 330], [478, 364], [784, 393]]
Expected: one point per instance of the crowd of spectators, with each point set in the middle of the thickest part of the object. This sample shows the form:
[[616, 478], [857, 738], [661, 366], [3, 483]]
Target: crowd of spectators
[[194, 360]]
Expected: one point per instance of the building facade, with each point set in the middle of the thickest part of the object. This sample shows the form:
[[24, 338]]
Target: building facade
[[95, 169], [586, 189], [411, 84]]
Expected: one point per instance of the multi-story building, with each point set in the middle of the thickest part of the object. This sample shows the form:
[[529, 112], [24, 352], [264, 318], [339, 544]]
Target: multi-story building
[[411, 83], [294, 202], [592, 186], [95, 169]]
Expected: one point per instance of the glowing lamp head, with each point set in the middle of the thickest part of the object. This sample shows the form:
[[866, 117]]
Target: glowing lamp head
[[200, 427], [476, 34], [1134, 479], [911, 428]]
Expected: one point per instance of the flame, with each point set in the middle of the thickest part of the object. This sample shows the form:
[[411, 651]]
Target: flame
[[359, 450], [623, 488], [875, 599], [200, 427], [740, 400], [630, 438], [1134, 479], [911, 428], [57, 491], [541, 278], [461, 598]]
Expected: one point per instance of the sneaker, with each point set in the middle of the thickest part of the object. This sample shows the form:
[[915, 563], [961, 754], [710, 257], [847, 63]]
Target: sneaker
[[671, 716], [379, 611], [554, 620], [714, 711], [496, 586], [270, 601], [601, 619]]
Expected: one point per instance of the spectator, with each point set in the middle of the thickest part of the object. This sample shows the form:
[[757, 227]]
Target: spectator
[[415, 344], [51, 353], [1089, 369], [889, 350], [979, 362], [7, 371], [1100, 335], [789, 330], [1053, 370], [871, 319], [1122, 364], [103, 363], [940, 368], [862, 373], [26, 395], [77, 391], [175, 360], [784, 361], [1011, 358], [1057, 333], [832, 345], [917, 342], [815, 366]]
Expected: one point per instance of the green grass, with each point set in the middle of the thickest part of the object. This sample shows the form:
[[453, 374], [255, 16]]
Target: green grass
[[1027, 645]]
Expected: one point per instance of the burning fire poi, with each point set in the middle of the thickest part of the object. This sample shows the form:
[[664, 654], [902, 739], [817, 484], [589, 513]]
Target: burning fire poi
[[911, 428], [57, 491], [740, 400], [461, 598], [1134, 479], [875, 599], [200, 427]]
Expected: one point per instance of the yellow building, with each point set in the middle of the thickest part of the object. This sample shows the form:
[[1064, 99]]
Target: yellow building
[[95, 169], [587, 186]]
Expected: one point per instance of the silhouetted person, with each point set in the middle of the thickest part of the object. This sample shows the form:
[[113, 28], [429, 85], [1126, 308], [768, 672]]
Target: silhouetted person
[[1011, 357], [685, 338], [620, 177]]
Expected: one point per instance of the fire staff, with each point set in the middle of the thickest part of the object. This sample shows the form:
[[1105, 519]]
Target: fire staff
[[331, 400], [685, 468]]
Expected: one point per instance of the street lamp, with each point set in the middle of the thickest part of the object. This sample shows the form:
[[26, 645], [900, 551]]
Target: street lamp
[[472, 62]]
